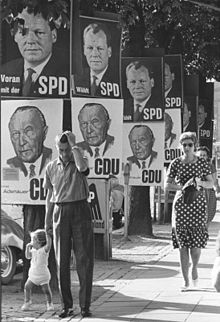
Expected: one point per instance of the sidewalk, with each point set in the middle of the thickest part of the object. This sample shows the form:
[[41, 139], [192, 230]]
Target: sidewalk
[[141, 283]]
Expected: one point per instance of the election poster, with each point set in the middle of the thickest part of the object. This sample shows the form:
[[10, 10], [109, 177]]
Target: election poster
[[172, 118], [173, 81], [142, 89], [205, 123], [35, 51], [189, 114], [98, 52], [143, 151], [28, 130], [97, 124]]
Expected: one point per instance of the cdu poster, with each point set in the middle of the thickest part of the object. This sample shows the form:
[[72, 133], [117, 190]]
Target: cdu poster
[[28, 130], [98, 55], [172, 118], [35, 51], [143, 150], [97, 124]]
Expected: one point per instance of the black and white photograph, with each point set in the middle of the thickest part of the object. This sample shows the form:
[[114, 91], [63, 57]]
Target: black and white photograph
[[142, 89], [143, 151], [97, 124], [35, 55], [172, 118], [189, 114], [28, 128], [173, 81], [100, 58]]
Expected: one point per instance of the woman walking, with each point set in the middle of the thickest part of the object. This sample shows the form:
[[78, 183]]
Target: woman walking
[[189, 229]]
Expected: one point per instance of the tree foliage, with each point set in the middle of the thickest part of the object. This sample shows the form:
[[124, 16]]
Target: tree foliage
[[190, 28]]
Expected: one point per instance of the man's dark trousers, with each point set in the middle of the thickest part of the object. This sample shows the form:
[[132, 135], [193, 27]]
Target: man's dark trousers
[[72, 227]]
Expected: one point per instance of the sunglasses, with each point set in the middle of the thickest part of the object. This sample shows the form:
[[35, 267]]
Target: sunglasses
[[190, 145]]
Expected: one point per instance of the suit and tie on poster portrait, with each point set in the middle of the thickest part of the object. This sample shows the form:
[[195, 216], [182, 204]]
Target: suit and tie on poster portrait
[[99, 46], [189, 114], [204, 122], [142, 89], [28, 129], [173, 81], [35, 51], [97, 124], [143, 150], [172, 119]]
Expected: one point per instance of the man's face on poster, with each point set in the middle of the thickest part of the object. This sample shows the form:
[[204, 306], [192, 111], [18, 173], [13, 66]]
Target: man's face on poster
[[169, 77], [94, 125], [168, 126], [27, 135], [35, 38], [97, 51], [139, 83], [202, 114], [186, 114], [141, 142]]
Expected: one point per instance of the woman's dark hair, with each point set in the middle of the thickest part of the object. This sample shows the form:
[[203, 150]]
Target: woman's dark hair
[[188, 136]]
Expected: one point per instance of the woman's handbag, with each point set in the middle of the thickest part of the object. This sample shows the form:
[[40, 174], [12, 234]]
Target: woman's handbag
[[190, 192]]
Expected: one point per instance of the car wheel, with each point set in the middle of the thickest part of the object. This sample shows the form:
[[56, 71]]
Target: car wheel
[[8, 264]]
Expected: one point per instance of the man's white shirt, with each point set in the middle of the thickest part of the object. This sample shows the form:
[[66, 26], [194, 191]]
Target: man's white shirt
[[37, 70]]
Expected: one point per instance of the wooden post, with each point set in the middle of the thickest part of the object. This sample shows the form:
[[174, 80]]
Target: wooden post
[[159, 205], [126, 201]]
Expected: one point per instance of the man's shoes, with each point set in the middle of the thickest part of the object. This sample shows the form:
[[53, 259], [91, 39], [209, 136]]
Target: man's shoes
[[66, 312], [86, 313]]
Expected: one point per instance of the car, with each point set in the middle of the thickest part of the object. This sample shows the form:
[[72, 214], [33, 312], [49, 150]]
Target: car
[[12, 236]]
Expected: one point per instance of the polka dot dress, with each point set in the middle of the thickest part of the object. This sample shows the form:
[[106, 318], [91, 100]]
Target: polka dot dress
[[189, 220]]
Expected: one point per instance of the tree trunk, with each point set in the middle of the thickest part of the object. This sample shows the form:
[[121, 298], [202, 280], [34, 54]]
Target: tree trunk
[[140, 222], [34, 218]]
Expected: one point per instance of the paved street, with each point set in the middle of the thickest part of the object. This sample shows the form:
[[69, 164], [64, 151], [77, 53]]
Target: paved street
[[141, 283]]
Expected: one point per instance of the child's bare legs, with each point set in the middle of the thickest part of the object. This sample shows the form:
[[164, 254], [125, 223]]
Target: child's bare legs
[[27, 290], [184, 263], [47, 291], [27, 295], [195, 256]]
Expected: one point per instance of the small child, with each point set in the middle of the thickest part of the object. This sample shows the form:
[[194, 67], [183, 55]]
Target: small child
[[216, 266], [38, 251]]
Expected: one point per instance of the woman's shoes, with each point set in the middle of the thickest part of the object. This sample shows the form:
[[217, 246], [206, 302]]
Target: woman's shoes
[[184, 288], [195, 283]]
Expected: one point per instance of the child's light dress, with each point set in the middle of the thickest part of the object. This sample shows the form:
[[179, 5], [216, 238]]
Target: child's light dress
[[39, 273]]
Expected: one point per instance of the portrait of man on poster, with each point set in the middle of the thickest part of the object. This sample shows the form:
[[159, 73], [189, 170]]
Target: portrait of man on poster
[[142, 140], [94, 124], [28, 130], [100, 77], [189, 114], [204, 119], [42, 69], [170, 137], [186, 115], [172, 81], [144, 97]]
